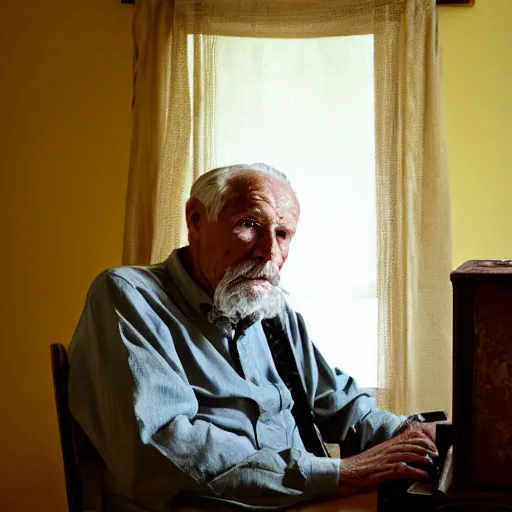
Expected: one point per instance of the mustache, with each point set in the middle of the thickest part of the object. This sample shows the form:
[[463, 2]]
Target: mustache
[[249, 270], [234, 299]]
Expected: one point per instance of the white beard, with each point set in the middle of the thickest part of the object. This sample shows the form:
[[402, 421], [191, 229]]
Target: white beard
[[239, 296]]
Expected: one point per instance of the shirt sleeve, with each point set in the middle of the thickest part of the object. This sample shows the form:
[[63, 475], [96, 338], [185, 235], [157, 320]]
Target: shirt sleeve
[[129, 391], [343, 413]]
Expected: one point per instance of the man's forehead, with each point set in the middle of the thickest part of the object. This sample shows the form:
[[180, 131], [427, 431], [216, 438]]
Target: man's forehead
[[252, 190]]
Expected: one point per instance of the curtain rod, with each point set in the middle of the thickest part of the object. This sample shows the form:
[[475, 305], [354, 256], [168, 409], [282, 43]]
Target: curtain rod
[[453, 3]]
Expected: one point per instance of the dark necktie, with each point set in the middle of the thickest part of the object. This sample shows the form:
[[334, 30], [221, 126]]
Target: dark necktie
[[226, 326]]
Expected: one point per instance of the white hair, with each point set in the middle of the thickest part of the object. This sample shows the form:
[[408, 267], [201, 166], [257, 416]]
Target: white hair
[[213, 187]]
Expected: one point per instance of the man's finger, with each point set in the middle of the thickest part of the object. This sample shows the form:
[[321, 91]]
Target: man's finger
[[418, 448], [409, 457], [418, 438], [398, 471]]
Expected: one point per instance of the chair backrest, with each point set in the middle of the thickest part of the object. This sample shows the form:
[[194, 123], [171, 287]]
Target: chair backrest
[[82, 464]]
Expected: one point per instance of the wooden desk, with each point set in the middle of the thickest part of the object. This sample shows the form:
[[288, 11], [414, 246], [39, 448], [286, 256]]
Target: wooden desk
[[360, 503]]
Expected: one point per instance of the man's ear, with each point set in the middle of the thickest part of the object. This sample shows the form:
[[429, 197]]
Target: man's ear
[[196, 217]]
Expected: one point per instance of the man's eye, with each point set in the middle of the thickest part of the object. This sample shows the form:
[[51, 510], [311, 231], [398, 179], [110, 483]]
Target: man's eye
[[282, 234], [248, 223]]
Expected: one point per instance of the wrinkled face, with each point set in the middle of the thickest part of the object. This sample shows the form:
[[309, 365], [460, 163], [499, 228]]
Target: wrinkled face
[[254, 229]]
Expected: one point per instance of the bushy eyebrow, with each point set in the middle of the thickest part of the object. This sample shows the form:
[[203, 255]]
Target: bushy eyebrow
[[253, 210], [259, 216]]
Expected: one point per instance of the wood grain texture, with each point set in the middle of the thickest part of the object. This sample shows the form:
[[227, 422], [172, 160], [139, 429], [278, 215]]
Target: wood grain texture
[[492, 444], [482, 371]]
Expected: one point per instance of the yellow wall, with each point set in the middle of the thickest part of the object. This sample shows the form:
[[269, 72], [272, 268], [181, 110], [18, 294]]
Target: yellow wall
[[65, 94], [477, 53]]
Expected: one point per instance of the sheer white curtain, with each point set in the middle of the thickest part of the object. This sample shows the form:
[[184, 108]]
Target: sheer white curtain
[[343, 96]]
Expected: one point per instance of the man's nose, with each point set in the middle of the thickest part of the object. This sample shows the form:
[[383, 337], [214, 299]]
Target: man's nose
[[267, 249]]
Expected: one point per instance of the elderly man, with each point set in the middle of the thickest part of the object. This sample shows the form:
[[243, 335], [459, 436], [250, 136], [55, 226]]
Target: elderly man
[[184, 374]]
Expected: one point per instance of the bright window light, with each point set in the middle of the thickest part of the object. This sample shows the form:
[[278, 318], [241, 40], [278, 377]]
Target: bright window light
[[307, 108]]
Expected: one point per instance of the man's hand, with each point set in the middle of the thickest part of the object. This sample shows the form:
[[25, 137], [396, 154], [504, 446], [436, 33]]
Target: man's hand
[[388, 461], [428, 428]]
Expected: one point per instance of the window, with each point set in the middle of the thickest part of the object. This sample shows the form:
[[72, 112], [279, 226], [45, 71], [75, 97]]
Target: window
[[307, 108]]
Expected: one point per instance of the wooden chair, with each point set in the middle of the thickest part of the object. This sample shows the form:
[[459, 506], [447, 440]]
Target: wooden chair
[[82, 464]]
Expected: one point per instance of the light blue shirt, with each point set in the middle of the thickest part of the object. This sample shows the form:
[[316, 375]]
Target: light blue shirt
[[154, 386]]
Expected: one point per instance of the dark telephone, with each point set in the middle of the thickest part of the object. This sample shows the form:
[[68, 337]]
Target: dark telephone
[[406, 496]]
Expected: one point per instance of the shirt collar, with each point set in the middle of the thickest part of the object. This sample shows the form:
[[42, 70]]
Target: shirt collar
[[188, 287]]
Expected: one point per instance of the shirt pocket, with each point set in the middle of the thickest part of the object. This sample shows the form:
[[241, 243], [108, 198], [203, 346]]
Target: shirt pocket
[[233, 414]]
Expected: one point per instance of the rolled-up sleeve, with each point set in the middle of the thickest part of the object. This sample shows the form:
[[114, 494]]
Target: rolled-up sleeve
[[129, 391]]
